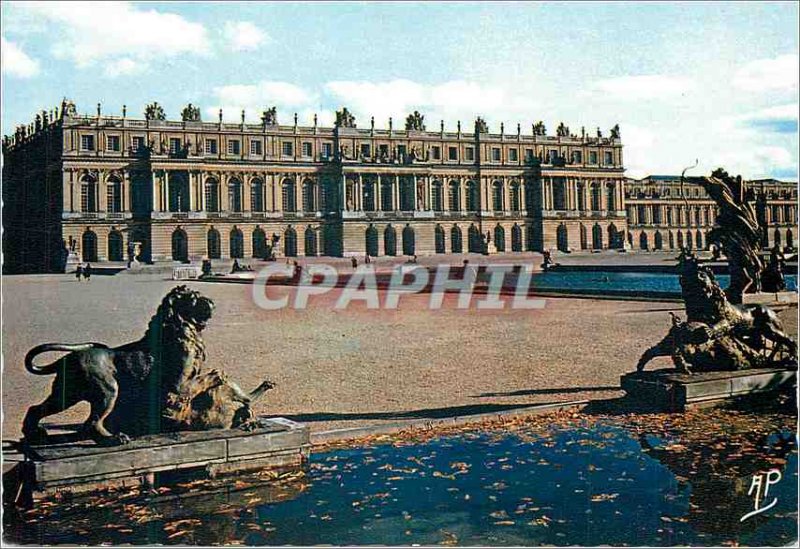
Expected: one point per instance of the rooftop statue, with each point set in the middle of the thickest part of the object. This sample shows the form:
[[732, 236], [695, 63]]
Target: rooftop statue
[[539, 128], [717, 335], [562, 130], [154, 111], [270, 117], [415, 121], [736, 232], [615, 132], [481, 126], [190, 113], [68, 108], [344, 119], [152, 385]]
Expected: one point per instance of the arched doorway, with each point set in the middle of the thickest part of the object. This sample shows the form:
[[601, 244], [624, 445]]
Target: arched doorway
[[311, 241], [643, 243], [777, 240], [214, 250], [259, 243], [699, 240], [475, 241], [584, 237], [500, 238], [89, 246], [371, 238], [680, 239], [516, 238], [115, 252], [439, 240], [789, 238], [409, 244], [658, 241], [456, 240], [180, 245], [689, 240], [389, 241], [562, 238], [597, 237], [615, 237], [237, 243], [290, 242], [671, 240]]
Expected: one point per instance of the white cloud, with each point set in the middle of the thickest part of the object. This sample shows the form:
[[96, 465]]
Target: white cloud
[[118, 34], [654, 86], [779, 73], [254, 98], [16, 62], [243, 36]]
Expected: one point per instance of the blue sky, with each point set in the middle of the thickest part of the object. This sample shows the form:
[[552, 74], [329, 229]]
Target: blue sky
[[714, 81]]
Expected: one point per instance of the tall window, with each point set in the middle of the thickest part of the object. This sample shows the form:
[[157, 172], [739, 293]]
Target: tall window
[[472, 196], [88, 194], [469, 154], [608, 158], [437, 196], [365, 150], [515, 197], [436, 152], [577, 157], [592, 157], [495, 154], [211, 146], [114, 194], [256, 147], [211, 194], [452, 153], [234, 146], [288, 195], [596, 197], [309, 196], [611, 197], [497, 196], [257, 196], [174, 145], [327, 150], [454, 196], [235, 195], [87, 142], [307, 149], [513, 155], [559, 194], [386, 195], [287, 148], [112, 143], [137, 143]]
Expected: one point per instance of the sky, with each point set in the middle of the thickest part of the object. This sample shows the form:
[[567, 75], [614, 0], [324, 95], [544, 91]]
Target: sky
[[716, 82]]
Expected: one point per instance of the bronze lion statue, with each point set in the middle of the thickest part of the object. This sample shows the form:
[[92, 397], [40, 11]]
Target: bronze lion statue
[[718, 335], [153, 385]]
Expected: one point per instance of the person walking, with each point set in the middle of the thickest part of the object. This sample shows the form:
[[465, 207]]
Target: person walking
[[87, 271], [79, 272]]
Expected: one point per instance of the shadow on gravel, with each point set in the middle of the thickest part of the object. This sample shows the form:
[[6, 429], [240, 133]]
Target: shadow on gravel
[[550, 391]]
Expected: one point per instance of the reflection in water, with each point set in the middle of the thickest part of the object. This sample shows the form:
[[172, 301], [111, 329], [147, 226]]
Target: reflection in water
[[558, 480]]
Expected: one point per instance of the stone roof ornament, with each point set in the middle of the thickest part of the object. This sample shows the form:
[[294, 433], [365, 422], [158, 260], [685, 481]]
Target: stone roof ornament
[[415, 121], [344, 119], [615, 132], [539, 128], [481, 126], [562, 130], [154, 111], [124, 111], [68, 108], [190, 113], [270, 117], [599, 133]]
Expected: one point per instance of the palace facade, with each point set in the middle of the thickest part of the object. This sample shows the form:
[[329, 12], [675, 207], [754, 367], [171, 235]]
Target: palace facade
[[187, 189]]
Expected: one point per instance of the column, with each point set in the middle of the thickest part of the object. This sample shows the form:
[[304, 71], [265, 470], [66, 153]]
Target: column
[[166, 191], [360, 193], [523, 196], [377, 194], [343, 193], [298, 192], [414, 193], [396, 193], [246, 203], [603, 198], [156, 192]]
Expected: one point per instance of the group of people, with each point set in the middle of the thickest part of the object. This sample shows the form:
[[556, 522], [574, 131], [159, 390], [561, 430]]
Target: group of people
[[83, 271]]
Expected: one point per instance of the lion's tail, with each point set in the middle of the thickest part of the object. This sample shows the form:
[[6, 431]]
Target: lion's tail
[[47, 347]]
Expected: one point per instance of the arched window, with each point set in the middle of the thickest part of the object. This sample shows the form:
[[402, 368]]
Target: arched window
[[472, 196], [516, 238], [214, 249], [259, 243], [311, 241], [658, 241], [178, 192], [371, 241], [497, 196], [288, 196], [309, 196], [439, 244], [671, 240], [595, 198], [211, 195], [180, 245], [454, 196], [89, 246], [407, 194], [389, 241], [562, 238], [235, 195], [516, 203], [237, 243], [500, 238], [88, 193], [559, 194], [456, 240], [257, 196], [438, 203], [584, 234], [369, 196], [387, 190], [643, 244], [114, 195], [475, 241], [290, 242], [597, 237], [777, 240], [115, 252], [789, 238], [409, 244], [581, 200]]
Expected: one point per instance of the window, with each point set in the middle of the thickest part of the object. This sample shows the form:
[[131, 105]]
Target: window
[[137, 143], [577, 157], [306, 150], [87, 142], [452, 153], [528, 155], [401, 151], [552, 155], [287, 148], [255, 147], [495, 154], [436, 152], [327, 150], [113, 195], [174, 145], [593, 157], [365, 149], [211, 146], [469, 153], [384, 151], [233, 146], [608, 159], [112, 143], [513, 155]]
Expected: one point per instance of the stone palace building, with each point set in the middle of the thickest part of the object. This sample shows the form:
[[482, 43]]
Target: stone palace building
[[186, 189]]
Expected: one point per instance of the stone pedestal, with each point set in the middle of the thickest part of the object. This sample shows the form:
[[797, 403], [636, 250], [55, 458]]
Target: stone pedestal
[[671, 391], [73, 260]]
